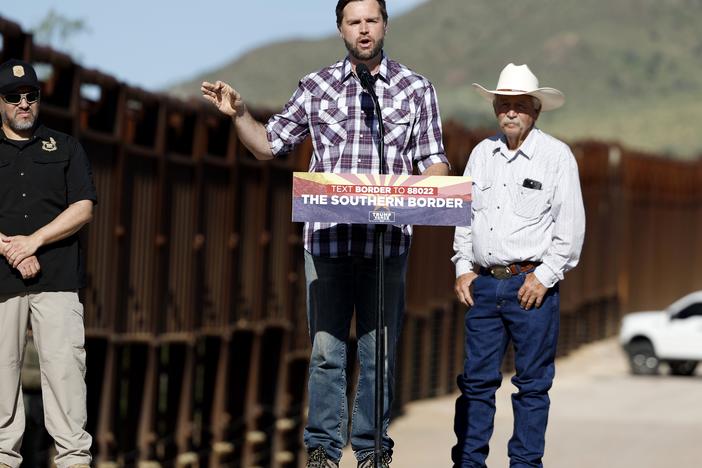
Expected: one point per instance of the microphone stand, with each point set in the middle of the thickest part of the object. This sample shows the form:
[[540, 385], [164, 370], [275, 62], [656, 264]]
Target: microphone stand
[[380, 338]]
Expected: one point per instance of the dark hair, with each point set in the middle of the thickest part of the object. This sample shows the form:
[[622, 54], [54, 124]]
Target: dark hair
[[341, 4]]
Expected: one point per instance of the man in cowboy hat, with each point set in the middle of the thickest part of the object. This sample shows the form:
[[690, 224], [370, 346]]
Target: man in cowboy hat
[[527, 230]]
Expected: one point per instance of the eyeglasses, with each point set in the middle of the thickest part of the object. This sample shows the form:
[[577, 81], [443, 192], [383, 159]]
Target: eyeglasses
[[16, 98]]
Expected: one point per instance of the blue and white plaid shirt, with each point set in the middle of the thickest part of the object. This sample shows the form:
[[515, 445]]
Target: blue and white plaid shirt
[[331, 106]]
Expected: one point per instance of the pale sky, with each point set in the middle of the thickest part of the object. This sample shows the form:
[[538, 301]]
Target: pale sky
[[152, 43]]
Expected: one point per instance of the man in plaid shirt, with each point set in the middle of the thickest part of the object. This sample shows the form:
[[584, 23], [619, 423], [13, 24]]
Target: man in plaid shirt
[[331, 106]]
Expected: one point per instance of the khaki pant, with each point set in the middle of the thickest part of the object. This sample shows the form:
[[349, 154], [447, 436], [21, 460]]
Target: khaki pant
[[57, 324]]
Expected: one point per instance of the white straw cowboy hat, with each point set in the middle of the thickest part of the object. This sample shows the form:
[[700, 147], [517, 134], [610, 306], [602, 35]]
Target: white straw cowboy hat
[[518, 79]]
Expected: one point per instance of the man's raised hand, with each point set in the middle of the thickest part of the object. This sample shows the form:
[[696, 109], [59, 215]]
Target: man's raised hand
[[224, 97]]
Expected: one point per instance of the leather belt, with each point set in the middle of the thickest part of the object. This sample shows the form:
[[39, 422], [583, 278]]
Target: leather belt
[[507, 271]]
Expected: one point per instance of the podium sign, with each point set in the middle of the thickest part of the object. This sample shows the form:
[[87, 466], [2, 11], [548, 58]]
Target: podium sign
[[381, 199]]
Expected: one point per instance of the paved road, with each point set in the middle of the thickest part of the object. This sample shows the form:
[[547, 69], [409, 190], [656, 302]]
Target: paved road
[[601, 417]]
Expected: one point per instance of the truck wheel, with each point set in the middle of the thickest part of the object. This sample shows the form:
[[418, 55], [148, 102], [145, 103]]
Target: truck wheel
[[642, 358], [682, 367]]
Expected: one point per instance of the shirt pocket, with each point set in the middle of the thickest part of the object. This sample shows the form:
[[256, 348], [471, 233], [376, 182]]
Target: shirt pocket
[[50, 170], [332, 123], [531, 203], [481, 193], [397, 124]]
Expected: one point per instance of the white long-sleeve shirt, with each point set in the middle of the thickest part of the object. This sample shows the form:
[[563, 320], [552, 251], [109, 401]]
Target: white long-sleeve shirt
[[512, 223]]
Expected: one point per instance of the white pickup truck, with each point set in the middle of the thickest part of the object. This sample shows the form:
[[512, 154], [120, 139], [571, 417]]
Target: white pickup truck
[[672, 336]]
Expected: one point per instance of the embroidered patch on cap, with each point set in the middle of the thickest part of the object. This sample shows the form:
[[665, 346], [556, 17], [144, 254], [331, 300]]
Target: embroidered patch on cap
[[18, 71]]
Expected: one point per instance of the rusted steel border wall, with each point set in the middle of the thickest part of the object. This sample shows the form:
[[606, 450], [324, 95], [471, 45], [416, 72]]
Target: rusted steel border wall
[[195, 309]]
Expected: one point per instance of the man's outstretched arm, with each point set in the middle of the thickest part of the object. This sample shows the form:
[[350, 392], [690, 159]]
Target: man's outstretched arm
[[251, 132]]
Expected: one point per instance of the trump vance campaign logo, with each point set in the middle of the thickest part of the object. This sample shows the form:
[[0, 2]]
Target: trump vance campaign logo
[[381, 216]]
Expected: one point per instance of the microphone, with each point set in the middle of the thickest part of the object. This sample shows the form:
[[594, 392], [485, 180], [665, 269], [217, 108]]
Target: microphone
[[368, 83], [367, 80]]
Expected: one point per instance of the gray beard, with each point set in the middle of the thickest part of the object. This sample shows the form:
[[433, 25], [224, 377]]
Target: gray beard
[[358, 55], [18, 126]]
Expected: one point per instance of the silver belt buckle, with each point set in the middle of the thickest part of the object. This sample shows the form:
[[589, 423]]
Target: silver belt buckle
[[501, 272]]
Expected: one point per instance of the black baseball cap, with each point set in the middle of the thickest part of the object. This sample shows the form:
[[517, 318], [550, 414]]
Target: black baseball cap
[[15, 73]]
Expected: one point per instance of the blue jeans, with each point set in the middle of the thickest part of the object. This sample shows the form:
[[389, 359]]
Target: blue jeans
[[494, 320], [335, 287]]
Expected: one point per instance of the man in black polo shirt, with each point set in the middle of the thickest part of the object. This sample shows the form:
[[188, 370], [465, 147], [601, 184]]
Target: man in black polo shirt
[[46, 196]]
